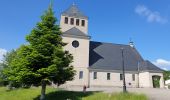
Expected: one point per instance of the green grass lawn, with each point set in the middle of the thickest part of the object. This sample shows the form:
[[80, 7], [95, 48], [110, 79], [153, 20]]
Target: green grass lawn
[[54, 94]]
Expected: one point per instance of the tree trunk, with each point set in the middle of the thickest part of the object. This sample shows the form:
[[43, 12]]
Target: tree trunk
[[43, 85], [10, 85]]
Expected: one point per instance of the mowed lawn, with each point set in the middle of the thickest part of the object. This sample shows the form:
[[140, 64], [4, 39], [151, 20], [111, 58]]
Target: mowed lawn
[[54, 94]]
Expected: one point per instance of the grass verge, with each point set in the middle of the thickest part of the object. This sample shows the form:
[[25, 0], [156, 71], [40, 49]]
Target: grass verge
[[54, 94]]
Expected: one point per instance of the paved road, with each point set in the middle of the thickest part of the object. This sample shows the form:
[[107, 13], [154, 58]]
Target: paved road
[[153, 94]]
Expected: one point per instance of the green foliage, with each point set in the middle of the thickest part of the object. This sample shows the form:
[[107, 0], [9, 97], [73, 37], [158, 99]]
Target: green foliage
[[166, 75], [43, 58], [5, 65], [55, 94]]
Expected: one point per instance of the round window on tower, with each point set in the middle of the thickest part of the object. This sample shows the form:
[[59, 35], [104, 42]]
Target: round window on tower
[[75, 44]]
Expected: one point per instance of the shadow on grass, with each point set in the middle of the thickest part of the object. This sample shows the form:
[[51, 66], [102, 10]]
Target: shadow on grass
[[66, 95]]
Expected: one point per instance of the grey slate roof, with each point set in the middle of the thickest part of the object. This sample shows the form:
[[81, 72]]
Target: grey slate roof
[[108, 56], [75, 32], [73, 11], [148, 66]]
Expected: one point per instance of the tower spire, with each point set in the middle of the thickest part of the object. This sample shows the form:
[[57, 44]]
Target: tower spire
[[73, 4], [73, 17]]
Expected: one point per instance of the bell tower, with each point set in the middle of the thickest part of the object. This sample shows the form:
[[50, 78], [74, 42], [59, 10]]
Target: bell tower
[[74, 25], [73, 17]]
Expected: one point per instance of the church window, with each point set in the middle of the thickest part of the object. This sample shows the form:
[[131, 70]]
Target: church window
[[121, 76], [81, 75], [66, 20], [77, 22], [95, 75], [133, 77], [75, 44], [108, 76], [72, 21], [82, 22]]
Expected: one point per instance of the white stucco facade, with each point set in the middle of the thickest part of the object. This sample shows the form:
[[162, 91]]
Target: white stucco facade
[[114, 79], [80, 61]]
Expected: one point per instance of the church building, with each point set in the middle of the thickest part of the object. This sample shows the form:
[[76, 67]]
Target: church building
[[99, 63]]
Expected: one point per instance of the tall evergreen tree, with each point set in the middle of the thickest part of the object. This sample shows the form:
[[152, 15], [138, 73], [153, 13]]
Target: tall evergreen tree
[[43, 59]]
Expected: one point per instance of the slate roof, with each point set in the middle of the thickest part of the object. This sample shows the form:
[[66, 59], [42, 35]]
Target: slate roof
[[73, 11], [108, 56], [148, 66], [75, 32]]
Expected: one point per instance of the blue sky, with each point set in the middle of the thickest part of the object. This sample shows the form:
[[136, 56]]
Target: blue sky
[[145, 21]]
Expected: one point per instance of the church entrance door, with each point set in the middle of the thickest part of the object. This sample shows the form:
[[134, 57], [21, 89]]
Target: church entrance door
[[156, 81]]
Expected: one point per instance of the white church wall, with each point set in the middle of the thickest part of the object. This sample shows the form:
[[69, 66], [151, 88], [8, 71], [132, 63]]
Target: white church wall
[[80, 54], [144, 79], [114, 79], [80, 59], [77, 80]]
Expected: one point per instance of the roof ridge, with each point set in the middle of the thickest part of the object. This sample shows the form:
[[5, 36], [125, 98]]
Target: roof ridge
[[76, 29], [111, 43], [75, 32], [137, 54]]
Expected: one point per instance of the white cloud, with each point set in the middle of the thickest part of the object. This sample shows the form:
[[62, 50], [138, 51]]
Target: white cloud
[[151, 16], [162, 63], [2, 52]]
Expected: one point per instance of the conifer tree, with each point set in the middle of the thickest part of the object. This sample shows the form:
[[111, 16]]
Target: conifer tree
[[43, 59]]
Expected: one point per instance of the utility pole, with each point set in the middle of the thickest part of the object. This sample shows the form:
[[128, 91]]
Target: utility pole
[[138, 74], [123, 70]]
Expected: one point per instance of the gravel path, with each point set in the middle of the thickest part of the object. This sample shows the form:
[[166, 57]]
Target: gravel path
[[152, 94]]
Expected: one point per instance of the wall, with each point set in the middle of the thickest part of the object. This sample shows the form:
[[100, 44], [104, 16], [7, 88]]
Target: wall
[[81, 59], [65, 27], [161, 79], [145, 79], [114, 81]]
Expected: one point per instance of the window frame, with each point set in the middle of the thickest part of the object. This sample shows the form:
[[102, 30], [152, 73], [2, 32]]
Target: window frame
[[80, 74], [121, 77], [77, 22], [66, 20], [71, 21], [108, 76], [94, 75], [82, 22], [133, 77]]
